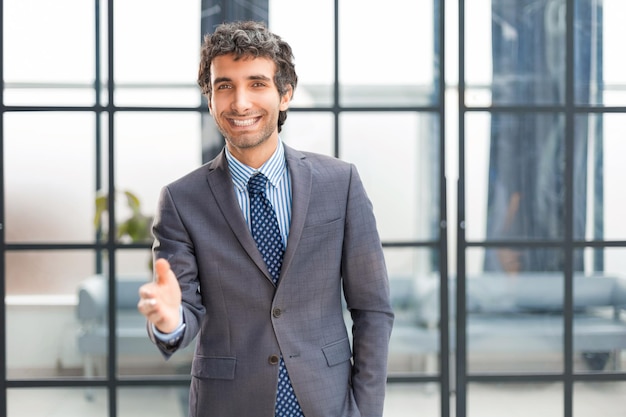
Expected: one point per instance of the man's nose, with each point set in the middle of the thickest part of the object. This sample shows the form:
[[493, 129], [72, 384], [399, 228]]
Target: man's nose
[[241, 101]]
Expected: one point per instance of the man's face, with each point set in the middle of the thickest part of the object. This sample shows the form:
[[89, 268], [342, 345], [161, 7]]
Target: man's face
[[245, 101]]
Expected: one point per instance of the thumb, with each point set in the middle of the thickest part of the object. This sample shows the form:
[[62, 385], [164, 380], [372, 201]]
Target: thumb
[[164, 274]]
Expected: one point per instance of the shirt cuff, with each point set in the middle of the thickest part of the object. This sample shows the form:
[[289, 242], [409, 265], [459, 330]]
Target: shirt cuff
[[173, 337]]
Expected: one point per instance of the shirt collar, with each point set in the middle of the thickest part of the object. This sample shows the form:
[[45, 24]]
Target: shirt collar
[[273, 168]]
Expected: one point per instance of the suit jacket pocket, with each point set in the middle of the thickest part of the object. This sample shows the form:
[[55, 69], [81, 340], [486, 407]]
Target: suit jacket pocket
[[337, 352], [213, 367]]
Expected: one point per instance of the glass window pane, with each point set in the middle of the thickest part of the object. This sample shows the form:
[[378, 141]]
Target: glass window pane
[[596, 398], [153, 402], [515, 320], [311, 132], [526, 399], [403, 186], [599, 173], [519, 56], [314, 56], [599, 39], [409, 400], [414, 285], [589, 56], [599, 322], [49, 176], [153, 149], [514, 176], [42, 292], [478, 45], [367, 81], [49, 54], [153, 66], [67, 402]]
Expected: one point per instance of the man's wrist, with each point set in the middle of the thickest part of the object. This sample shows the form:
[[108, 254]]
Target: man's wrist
[[174, 337]]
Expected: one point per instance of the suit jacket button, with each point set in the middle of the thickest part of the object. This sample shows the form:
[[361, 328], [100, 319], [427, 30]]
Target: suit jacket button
[[274, 359], [276, 312]]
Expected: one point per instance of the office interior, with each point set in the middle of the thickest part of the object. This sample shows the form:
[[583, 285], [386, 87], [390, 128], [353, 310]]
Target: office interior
[[489, 134]]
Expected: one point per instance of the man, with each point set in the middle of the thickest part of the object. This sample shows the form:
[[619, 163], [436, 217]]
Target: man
[[270, 327]]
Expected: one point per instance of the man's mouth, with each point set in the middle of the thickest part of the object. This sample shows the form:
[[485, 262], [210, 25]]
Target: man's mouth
[[244, 122]]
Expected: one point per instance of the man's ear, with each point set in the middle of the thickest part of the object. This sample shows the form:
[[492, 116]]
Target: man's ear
[[285, 99]]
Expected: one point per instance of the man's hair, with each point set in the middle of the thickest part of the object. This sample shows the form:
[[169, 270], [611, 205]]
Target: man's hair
[[248, 39]]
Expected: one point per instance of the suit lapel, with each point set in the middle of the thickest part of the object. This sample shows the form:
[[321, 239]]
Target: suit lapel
[[221, 185], [300, 171]]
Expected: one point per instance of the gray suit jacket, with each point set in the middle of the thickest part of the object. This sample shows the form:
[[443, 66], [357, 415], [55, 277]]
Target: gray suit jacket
[[242, 321]]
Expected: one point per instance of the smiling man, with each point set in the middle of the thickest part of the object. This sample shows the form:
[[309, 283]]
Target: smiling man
[[255, 250]]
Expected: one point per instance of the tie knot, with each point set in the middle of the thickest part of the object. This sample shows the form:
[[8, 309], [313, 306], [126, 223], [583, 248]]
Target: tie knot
[[256, 184]]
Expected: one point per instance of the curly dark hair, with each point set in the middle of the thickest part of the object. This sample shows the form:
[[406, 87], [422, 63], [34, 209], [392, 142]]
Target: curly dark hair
[[248, 39]]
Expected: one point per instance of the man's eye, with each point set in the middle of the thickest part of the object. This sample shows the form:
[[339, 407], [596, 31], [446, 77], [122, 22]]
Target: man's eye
[[223, 86]]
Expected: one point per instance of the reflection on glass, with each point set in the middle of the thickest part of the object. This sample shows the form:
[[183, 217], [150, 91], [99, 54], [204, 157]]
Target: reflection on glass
[[599, 173], [589, 50], [600, 68], [67, 402], [515, 176], [599, 320], [403, 186], [153, 402], [525, 60], [526, 187], [527, 399], [414, 288]]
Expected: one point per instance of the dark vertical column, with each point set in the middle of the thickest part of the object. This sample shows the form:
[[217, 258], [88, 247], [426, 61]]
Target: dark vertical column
[[213, 13], [442, 232], [3, 336]]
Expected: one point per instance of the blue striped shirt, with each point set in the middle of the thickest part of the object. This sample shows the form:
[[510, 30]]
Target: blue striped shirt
[[278, 188]]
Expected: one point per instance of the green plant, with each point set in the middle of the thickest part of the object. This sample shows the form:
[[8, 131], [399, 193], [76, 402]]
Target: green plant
[[135, 228]]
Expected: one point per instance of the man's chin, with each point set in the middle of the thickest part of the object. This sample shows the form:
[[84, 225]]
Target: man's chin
[[245, 141]]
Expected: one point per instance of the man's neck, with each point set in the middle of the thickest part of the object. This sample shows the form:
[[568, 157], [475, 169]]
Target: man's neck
[[255, 156]]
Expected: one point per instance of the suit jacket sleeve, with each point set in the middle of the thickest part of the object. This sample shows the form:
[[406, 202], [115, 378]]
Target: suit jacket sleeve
[[172, 242], [366, 289]]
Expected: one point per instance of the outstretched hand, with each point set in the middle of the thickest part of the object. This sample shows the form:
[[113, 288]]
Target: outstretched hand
[[160, 300]]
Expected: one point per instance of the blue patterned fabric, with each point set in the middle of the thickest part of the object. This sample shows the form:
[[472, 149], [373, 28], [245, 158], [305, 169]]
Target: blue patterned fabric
[[266, 233]]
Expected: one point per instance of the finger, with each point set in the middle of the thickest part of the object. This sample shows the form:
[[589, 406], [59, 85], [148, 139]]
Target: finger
[[145, 305], [163, 271], [145, 291]]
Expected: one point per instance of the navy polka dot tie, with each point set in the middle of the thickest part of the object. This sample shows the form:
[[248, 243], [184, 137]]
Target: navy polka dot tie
[[269, 241]]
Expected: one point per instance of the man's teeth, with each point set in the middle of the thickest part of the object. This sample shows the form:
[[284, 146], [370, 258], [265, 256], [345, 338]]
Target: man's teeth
[[247, 122]]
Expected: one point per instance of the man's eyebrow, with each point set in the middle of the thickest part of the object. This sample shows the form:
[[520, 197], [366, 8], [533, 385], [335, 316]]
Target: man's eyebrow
[[221, 80], [259, 77], [251, 77]]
